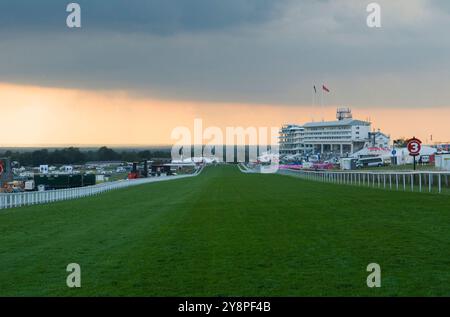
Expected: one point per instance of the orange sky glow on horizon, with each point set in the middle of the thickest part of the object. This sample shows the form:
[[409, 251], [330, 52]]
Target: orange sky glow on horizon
[[40, 116]]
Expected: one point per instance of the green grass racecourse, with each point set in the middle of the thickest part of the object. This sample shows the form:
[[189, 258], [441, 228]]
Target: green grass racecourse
[[228, 233]]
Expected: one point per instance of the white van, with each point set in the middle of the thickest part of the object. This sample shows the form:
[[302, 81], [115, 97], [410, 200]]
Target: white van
[[370, 162]]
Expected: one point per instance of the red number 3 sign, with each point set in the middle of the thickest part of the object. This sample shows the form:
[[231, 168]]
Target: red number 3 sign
[[414, 146]]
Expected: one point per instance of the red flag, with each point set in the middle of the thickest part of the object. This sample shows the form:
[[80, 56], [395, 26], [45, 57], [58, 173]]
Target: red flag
[[325, 88]]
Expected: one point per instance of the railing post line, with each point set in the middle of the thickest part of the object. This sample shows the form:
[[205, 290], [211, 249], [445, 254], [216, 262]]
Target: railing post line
[[420, 182], [429, 182]]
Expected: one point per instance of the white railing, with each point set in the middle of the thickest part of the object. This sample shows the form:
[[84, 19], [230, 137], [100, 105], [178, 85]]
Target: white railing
[[415, 181], [33, 198]]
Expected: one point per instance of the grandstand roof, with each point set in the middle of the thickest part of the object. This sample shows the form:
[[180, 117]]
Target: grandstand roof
[[335, 123]]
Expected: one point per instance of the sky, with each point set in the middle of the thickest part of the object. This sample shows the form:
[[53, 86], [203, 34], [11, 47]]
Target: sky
[[137, 69]]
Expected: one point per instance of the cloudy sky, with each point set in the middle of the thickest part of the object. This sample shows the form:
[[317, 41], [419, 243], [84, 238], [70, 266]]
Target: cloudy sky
[[149, 66]]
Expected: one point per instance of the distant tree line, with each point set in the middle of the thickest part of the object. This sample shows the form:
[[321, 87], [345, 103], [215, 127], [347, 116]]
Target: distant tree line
[[73, 155], [401, 142]]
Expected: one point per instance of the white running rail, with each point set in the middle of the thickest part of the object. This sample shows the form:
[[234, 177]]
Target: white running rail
[[33, 198], [414, 181]]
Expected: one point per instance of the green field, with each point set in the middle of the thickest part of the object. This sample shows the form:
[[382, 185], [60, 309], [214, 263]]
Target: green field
[[228, 233]]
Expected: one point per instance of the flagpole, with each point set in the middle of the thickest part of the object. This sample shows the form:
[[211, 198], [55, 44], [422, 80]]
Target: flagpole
[[313, 96], [321, 103]]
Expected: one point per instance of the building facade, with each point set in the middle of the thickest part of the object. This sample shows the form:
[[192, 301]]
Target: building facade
[[379, 139], [343, 136], [291, 139]]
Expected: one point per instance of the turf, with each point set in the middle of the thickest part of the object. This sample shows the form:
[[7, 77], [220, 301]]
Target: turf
[[228, 233]]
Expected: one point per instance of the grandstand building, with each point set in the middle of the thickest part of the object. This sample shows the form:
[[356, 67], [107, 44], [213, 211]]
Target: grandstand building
[[291, 139], [343, 136]]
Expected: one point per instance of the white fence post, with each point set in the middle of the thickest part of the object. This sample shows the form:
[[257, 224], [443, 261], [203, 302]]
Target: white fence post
[[11, 200], [430, 181], [381, 179]]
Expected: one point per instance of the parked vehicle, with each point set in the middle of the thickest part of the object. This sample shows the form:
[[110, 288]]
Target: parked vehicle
[[370, 162], [424, 159]]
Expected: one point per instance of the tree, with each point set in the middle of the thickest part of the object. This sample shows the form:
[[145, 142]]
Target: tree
[[106, 154], [401, 142]]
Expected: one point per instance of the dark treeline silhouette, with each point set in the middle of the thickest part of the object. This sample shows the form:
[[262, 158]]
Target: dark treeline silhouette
[[73, 155], [402, 142]]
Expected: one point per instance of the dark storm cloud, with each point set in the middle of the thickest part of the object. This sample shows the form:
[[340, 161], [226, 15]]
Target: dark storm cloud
[[163, 17], [256, 51]]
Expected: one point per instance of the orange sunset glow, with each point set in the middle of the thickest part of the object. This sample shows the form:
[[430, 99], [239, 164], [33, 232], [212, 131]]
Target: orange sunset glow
[[55, 116]]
